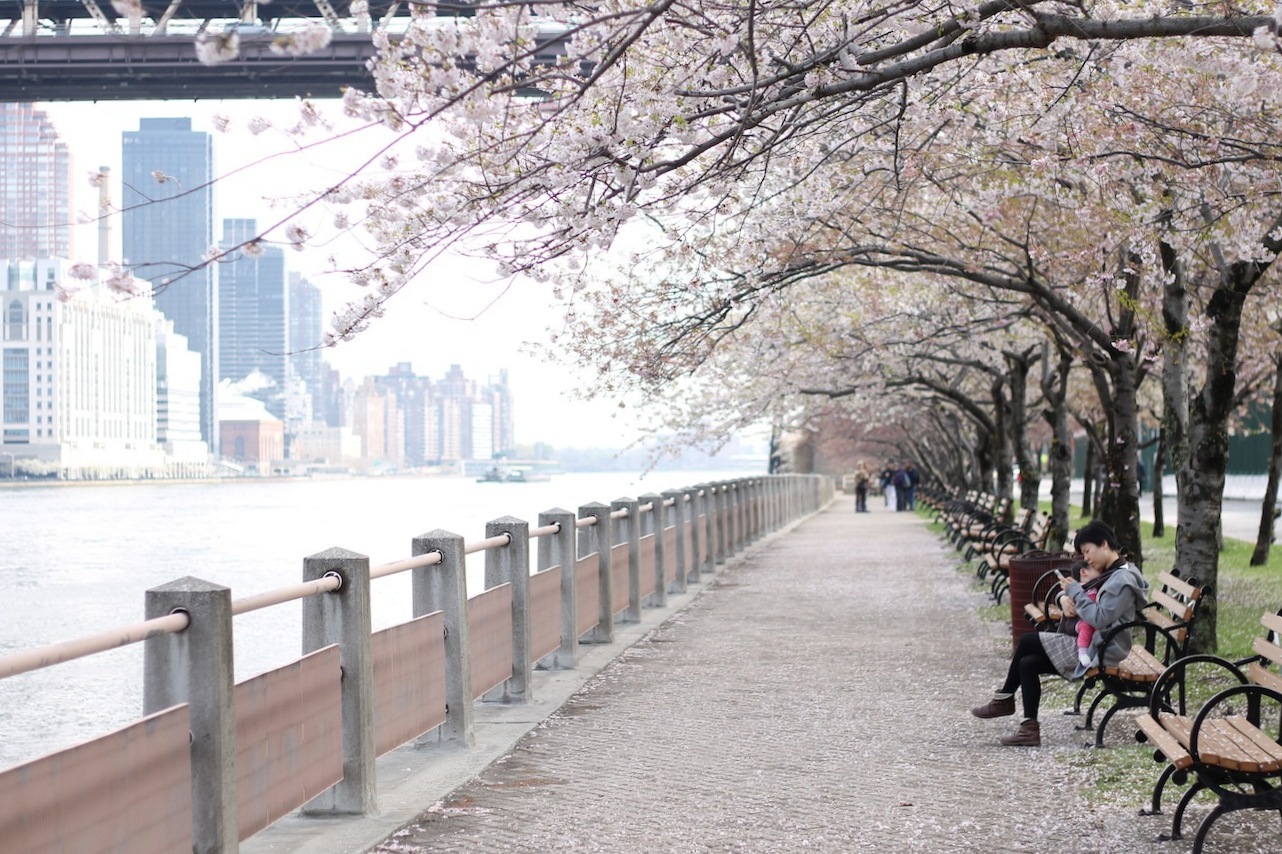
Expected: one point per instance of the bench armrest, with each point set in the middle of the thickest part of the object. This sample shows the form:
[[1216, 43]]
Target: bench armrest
[[1174, 675]]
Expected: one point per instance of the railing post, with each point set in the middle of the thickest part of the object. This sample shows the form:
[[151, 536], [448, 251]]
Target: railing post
[[596, 538], [719, 520], [194, 666], [704, 503], [343, 617], [651, 523], [558, 550], [627, 529], [678, 520], [443, 587], [511, 565], [734, 499]]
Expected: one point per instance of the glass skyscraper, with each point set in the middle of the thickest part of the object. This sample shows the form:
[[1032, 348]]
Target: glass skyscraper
[[168, 226], [253, 314]]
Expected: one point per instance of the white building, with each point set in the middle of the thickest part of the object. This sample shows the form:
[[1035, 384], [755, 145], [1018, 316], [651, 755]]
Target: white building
[[79, 378], [178, 403]]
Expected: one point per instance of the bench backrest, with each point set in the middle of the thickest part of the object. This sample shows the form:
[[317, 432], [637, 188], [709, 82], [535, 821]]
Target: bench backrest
[[1269, 648], [1174, 606], [1039, 531]]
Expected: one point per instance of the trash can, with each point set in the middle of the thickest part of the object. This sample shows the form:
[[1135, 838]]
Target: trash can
[[1023, 573]]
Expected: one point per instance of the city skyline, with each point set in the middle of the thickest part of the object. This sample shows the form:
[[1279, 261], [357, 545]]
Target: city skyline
[[479, 320]]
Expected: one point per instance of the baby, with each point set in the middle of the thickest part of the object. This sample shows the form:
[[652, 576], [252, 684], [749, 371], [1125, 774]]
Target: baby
[[1085, 631]]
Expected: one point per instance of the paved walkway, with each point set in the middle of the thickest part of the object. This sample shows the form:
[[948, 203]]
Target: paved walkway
[[812, 699]]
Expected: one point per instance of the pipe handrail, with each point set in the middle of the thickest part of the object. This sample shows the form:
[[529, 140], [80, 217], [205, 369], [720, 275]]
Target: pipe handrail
[[621, 513], [504, 539], [47, 656], [545, 531], [585, 522], [646, 508], [671, 502], [326, 583]]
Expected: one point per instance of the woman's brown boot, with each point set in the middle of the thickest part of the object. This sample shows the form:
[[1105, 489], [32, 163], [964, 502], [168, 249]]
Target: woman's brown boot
[[1029, 734], [998, 707]]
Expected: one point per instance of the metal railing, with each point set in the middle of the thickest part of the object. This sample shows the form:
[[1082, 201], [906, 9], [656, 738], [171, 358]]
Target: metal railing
[[357, 693]]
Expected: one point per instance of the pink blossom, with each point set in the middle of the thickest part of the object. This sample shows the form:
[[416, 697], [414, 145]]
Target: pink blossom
[[215, 48]]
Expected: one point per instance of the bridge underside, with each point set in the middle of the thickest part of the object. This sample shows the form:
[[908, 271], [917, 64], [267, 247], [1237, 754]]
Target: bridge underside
[[102, 68]]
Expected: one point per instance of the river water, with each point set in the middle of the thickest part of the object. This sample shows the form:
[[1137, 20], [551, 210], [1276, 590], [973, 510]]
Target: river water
[[76, 560]]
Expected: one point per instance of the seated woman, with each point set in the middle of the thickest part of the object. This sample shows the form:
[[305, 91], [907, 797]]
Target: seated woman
[[1120, 591]]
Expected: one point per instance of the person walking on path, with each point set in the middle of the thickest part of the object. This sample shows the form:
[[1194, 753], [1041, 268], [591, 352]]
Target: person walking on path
[[862, 476], [1121, 590]]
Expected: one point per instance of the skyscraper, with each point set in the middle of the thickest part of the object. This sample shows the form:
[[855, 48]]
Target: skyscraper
[[253, 312], [35, 186], [168, 225]]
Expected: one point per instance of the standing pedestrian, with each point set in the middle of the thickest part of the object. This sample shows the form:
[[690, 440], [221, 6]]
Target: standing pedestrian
[[862, 477], [887, 485]]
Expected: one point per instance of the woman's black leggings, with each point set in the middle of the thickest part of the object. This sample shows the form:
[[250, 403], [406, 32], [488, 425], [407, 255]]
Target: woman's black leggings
[[1026, 667]]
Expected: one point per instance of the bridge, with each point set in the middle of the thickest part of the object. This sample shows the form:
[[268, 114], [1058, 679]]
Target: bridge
[[86, 50]]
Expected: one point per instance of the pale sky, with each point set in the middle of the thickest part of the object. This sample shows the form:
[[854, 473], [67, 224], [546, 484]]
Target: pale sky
[[475, 320]]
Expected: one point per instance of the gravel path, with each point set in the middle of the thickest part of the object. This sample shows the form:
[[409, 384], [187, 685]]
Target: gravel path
[[815, 698]]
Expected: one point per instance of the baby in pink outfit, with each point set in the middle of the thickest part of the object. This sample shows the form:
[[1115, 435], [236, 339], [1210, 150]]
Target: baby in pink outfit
[[1085, 631]]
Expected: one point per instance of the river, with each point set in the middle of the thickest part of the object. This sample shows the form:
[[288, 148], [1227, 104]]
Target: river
[[77, 558]]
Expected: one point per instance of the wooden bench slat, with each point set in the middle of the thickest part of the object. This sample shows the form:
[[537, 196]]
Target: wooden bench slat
[[1247, 754], [1165, 742], [1258, 674], [1179, 585], [1216, 746], [1273, 622], [1180, 610], [1270, 651], [1269, 751], [1140, 665], [1034, 613]]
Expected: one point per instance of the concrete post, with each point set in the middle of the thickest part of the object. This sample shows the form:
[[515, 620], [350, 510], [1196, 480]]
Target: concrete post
[[755, 503], [735, 527], [677, 520], [704, 504], [719, 520], [596, 538], [511, 565], [653, 523], [443, 587], [343, 617], [558, 550], [194, 666], [693, 503], [628, 530]]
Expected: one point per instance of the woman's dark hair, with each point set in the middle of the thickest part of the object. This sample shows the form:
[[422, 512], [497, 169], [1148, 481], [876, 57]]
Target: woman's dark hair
[[1097, 534]]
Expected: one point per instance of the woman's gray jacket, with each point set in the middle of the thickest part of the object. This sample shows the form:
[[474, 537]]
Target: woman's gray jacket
[[1118, 601]]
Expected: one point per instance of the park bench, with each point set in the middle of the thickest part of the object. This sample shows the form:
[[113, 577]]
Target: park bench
[[994, 563], [1231, 746], [971, 527], [955, 512], [984, 542], [1166, 623]]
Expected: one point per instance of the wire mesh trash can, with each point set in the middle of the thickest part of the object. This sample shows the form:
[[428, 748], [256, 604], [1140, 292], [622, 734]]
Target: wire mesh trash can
[[1023, 573]]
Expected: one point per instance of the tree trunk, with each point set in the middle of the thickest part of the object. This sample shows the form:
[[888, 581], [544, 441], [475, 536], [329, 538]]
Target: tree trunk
[[1088, 479], [1175, 406], [1060, 456], [1159, 464], [1197, 546], [1030, 474], [1120, 502], [1264, 539], [1002, 442]]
